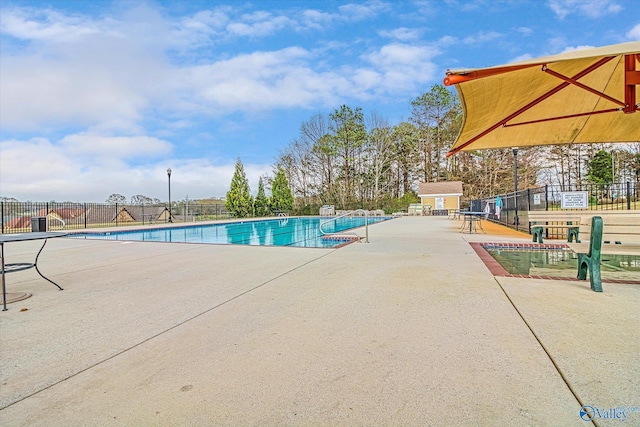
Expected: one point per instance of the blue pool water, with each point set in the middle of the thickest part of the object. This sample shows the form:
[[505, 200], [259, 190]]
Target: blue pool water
[[303, 232]]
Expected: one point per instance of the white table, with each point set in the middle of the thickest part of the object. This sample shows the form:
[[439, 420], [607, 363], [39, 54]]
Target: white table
[[471, 221]]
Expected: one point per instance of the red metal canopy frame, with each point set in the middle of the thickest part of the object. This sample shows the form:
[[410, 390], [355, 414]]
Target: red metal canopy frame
[[628, 106]]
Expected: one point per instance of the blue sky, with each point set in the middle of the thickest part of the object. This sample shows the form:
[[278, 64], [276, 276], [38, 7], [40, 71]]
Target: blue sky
[[102, 97]]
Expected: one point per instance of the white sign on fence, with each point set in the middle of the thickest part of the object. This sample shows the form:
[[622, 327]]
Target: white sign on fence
[[536, 199], [575, 200]]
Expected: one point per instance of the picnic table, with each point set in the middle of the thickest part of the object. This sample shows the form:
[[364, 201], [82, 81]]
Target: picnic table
[[471, 221]]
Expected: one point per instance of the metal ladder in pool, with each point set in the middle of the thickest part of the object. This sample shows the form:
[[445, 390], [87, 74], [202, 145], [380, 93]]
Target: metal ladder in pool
[[350, 213]]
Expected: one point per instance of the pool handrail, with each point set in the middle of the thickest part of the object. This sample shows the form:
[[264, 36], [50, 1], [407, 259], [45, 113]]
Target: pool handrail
[[57, 219], [366, 224]]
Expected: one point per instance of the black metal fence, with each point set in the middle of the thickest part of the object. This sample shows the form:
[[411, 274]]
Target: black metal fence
[[19, 217], [516, 205]]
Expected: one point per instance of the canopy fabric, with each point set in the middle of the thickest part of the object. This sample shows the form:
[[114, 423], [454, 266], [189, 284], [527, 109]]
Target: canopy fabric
[[583, 96]]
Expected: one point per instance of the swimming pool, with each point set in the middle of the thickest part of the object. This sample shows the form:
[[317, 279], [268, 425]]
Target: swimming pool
[[297, 231], [553, 261]]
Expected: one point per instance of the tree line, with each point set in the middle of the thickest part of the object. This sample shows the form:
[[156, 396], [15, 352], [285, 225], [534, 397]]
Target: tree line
[[242, 204], [138, 199], [351, 161]]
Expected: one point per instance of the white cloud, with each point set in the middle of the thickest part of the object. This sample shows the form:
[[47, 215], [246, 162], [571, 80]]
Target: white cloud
[[39, 90], [402, 66], [482, 37], [200, 29], [590, 8], [634, 33], [260, 80], [523, 57], [574, 48], [465, 5], [44, 25], [288, 78], [402, 33], [555, 45], [94, 146], [99, 75], [110, 75], [316, 19], [361, 11], [35, 159], [447, 41], [259, 24], [525, 31], [39, 170]]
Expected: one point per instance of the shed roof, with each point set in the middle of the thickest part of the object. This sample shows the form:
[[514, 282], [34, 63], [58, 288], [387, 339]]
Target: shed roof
[[441, 187]]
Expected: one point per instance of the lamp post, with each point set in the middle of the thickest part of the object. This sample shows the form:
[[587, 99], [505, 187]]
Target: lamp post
[[515, 185], [169, 175]]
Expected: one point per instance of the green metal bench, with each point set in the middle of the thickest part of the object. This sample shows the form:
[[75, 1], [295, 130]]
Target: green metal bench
[[571, 220], [544, 220], [608, 234], [590, 262]]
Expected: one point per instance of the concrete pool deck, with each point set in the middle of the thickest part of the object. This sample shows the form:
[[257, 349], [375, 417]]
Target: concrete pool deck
[[409, 329]]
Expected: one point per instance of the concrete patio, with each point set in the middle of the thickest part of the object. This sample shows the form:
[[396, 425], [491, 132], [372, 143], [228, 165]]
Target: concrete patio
[[409, 329]]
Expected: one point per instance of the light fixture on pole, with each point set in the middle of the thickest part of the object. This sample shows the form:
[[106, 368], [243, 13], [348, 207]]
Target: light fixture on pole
[[515, 184], [169, 175]]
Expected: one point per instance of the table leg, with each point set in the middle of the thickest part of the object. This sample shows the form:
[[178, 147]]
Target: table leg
[[464, 224], [480, 222], [4, 289], [35, 264]]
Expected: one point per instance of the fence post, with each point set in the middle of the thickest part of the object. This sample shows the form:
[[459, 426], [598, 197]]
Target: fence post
[[2, 214], [116, 214], [628, 195], [546, 197]]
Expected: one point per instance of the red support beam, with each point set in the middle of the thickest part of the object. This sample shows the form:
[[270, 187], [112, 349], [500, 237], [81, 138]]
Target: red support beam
[[454, 79], [582, 86], [631, 79], [569, 116]]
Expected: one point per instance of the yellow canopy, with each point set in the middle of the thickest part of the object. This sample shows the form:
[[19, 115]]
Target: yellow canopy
[[584, 96]]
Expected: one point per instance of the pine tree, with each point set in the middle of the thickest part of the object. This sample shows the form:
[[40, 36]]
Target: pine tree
[[281, 197], [261, 203], [600, 168], [239, 200]]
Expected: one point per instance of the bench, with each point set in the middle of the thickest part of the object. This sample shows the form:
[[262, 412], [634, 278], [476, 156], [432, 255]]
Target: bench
[[543, 220], [569, 220], [617, 234]]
